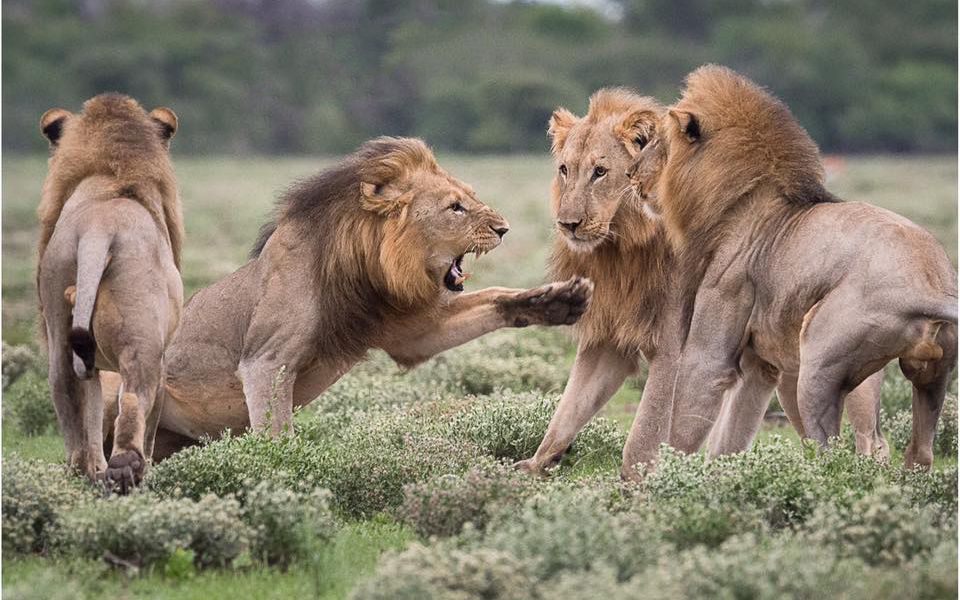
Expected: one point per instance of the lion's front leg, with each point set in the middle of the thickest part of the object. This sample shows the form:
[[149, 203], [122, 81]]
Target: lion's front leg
[[470, 316], [597, 374], [268, 391]]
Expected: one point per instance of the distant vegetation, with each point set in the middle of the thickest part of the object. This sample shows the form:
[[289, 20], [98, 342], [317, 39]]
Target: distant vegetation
[[307, 76]]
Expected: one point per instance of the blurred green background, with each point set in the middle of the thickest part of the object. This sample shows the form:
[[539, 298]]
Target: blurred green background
[[320, 76]]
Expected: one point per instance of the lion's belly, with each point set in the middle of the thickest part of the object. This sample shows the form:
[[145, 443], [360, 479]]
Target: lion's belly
[[203, 394], [205, 410]]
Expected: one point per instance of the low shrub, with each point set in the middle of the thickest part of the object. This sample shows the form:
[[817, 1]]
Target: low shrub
[[286, 525], [773, 477], [750, 566], [686, 523], [936, 489], [510, 425], [367, 470], [571, 529], [18, 360], [444, 504], [145, 530], [224, 466], [27, 403], [36, 497], [881, 528], [442, 573]]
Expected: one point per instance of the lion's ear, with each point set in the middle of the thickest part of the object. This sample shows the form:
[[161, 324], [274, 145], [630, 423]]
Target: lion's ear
[[167, 120], [634, 130], [51, 124], [376, 198], [688, 123], [560, 123]]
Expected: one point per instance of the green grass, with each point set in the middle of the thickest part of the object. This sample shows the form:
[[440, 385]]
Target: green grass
[[226, 200]]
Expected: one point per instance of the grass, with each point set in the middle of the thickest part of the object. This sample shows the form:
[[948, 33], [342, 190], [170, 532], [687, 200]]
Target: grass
[[225, 201]]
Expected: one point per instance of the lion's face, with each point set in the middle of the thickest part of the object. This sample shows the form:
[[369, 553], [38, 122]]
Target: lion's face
[[592, 157], [442, 216]]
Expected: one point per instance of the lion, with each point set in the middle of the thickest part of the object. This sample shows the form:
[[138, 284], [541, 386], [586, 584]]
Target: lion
[[109, 253], [824, 292], [367, 254], [603, 233]]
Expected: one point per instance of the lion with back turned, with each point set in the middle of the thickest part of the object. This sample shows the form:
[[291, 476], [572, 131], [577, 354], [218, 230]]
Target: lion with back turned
[[824, 292], [369, 253], [606, 234], [108, 277]]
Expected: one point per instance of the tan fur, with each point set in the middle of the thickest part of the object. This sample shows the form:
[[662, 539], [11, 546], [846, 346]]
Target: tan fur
[[138, 167], [357, 257], [631, 267], [631, 239], [827, 292], [109, 249]]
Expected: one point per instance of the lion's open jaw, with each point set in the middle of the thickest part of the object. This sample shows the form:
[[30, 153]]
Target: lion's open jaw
[[455, 276]]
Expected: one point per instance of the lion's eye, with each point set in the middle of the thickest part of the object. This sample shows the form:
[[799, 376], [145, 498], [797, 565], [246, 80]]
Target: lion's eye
[[457, 208], [599, 172], [563, 170]]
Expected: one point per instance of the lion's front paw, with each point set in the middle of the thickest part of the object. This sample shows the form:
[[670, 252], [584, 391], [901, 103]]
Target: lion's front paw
[[560, 303], [124, 471]]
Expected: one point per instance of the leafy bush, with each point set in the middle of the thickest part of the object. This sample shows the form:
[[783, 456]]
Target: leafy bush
[[882, 528], [286, 524], [511, 425], [571, 529], [936, 489], [442, 573], [367, 471], [36, 496], [772, 477], [750, 566], [28, 404], [145, 530], [18, 360], [224, 466], [442, 505]]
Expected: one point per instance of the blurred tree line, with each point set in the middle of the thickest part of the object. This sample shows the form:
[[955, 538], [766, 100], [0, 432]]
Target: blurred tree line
[[296, 76]]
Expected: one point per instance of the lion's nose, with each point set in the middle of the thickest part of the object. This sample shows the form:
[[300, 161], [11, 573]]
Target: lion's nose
[[570, 226], [501, 230]]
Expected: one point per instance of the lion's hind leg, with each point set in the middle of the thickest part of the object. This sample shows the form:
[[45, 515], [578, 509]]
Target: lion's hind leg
[[928, 369], [863, 411], [137, 417], [66, 394]]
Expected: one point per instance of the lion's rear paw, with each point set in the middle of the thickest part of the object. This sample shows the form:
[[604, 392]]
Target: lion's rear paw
[[554, 304], [124, 471]]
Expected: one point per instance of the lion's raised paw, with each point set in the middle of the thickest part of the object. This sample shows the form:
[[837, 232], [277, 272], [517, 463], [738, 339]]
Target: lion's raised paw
[[561, 303]]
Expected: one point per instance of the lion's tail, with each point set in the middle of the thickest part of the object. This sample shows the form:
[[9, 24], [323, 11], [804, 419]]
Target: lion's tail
[[93, 255]]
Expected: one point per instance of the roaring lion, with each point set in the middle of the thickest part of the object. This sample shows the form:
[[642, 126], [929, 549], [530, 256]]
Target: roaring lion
[[367, 254], [109, 252], [823, 291], [605, 234]]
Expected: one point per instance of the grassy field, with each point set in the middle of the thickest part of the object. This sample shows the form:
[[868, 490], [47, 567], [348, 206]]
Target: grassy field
[[398, 450]]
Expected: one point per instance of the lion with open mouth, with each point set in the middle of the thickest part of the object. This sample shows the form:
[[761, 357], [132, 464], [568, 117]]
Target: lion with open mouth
[[367, 254]]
